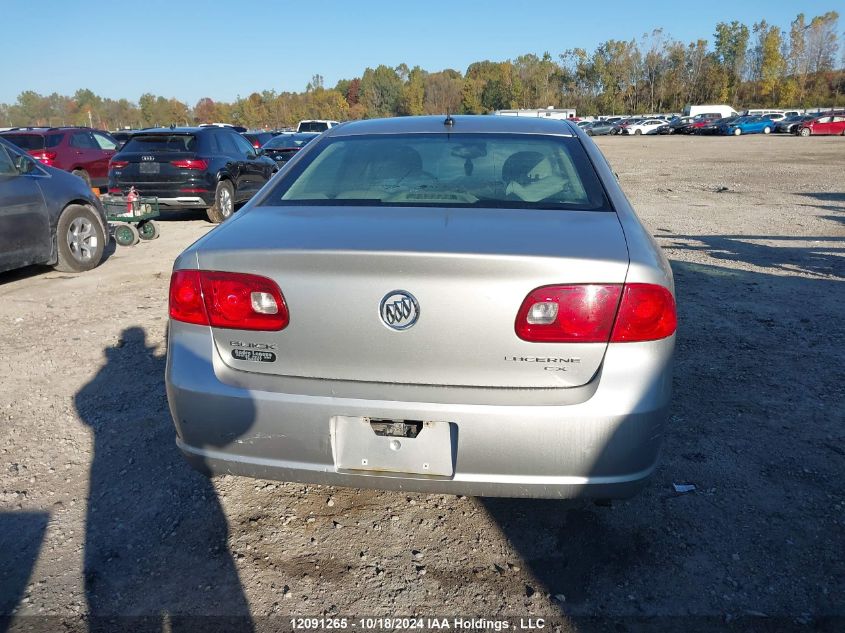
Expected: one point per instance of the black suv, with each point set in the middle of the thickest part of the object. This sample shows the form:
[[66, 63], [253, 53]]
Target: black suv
[[212, 168]]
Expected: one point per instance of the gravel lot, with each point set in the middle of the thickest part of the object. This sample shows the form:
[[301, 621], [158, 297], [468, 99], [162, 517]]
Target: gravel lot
[[100, 516]]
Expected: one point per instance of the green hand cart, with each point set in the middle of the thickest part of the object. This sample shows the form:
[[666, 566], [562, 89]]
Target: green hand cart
[[132, 223]]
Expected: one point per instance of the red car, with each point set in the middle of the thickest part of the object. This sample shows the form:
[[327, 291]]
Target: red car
[[825, 124], [80, 150]]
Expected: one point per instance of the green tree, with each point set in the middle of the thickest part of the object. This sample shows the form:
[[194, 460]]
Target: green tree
[[731, 45], [381, 91]]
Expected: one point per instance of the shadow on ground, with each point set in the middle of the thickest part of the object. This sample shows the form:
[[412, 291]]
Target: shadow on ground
[[156, 536], [756, 426]]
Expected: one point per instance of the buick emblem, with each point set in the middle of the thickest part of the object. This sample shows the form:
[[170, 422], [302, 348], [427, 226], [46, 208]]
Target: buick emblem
[[399, 310]]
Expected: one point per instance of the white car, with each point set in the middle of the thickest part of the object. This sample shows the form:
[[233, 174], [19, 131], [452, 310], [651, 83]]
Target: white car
[[649, 126]]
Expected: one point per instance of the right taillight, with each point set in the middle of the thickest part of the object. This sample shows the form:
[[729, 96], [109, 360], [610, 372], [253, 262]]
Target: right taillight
[[239, 301], [646, 313], [596, 313], [190, 163]]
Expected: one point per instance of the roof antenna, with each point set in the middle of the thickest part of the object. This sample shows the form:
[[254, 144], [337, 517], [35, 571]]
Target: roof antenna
[[449, 120]]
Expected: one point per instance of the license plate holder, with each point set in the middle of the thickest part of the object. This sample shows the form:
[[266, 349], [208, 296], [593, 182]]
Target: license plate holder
[[149, 168], [357, 447]]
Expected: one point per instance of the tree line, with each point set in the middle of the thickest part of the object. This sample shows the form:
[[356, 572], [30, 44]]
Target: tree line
[[757, 66]]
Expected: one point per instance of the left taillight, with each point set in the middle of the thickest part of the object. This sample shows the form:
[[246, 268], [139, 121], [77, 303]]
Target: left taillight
[[44, 156], [118, 164], [237, 301]]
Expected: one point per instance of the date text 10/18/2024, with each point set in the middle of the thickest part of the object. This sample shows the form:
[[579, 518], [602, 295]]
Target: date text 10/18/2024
[[464, 625]]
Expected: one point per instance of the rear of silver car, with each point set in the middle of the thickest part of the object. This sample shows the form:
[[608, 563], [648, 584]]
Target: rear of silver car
[[412, 348]]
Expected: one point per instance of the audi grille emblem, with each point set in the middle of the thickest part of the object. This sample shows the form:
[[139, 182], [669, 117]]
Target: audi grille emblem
[[148, 157], [399, 310]]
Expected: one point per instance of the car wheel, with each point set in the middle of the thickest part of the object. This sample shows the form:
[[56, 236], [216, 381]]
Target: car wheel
[[589, 132], [737, 132], [805, 131], [638, 132], [224, 202], [126, 235], [80, 239], [148, 230], [81, 173], [767, 130]]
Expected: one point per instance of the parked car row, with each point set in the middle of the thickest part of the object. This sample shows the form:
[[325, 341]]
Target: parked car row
[[708, 123]]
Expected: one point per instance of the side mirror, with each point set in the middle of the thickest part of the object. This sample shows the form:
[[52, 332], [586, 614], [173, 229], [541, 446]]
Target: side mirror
[[24, 165]]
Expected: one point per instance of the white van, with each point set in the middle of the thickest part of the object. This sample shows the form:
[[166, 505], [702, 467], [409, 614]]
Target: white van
[[723, 110], [760, 112]]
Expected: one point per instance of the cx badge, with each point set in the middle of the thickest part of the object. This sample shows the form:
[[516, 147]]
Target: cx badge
[[399, 310]]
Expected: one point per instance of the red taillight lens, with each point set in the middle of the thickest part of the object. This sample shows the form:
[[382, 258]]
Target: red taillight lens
[[44, 156], [568, 314], [186, 302], [118, 164], [227, 300], [647, 313], [190, 163], [586, 314]]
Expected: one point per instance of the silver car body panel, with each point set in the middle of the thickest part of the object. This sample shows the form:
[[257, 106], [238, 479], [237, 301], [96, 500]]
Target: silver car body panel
[[469, 269], [565, 420]]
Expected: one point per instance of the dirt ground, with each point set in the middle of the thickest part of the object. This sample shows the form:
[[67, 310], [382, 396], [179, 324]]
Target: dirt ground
[[100, 516]]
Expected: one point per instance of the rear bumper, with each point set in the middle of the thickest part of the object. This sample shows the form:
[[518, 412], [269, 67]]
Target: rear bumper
[[173, 195], [185, 202], [604, 446]]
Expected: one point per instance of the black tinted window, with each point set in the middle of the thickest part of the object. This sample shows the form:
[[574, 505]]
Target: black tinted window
[[313, 126], [83, 140], [7, 167], [145, 143], [26, 141], [289, 141]]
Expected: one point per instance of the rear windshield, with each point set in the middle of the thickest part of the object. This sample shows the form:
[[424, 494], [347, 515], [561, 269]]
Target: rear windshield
[[284, 141], [161, 143], [26, 141], [313, 126], [454, 170]]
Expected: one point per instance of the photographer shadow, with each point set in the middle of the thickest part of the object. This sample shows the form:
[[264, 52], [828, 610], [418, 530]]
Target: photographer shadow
[[156, 542]]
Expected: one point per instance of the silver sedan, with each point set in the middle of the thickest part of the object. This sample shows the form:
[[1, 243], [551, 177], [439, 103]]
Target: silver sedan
[[463, 305]]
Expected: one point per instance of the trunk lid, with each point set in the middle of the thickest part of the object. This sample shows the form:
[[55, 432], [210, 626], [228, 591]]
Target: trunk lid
[[468, 269]]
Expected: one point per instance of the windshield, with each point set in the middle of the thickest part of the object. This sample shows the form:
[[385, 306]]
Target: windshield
[[26, 141], [460, 170], [288, 141], [161, 143]]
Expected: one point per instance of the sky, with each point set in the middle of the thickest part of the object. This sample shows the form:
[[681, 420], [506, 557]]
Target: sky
[[189, 49]]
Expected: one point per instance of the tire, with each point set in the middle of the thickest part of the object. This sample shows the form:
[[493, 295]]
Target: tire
[[638, 132], [148, 230], [589, 132], [737, 132], [767, 130], [805, 131], [126, 235], [224, 203], [80, 239], [81, 173]]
